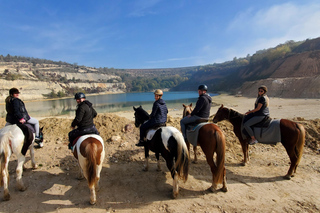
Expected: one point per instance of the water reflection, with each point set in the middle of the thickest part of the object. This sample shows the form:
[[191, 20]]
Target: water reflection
[[106, 103]]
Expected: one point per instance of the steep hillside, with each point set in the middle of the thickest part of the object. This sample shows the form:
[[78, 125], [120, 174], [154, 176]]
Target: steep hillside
[[291, 70]]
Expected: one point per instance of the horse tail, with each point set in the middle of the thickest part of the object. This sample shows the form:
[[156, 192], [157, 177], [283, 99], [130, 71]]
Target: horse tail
[[4, 152], [91, 153], [220, 158], [300, 144], [182, 159]]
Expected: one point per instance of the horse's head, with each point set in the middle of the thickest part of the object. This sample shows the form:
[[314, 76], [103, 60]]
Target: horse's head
[[140, 116], [222, 114], [187, 109]]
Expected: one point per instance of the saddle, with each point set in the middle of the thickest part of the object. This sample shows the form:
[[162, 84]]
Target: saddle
[[150, 132], [262, 124], [193, 124], [28, 137]]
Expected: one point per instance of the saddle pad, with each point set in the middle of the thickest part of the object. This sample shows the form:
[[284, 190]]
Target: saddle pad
[[192, 134], [270, 135], [166, 133], [82, 138]]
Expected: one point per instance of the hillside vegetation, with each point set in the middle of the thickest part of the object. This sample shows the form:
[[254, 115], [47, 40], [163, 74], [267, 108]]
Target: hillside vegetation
[[289, 70]]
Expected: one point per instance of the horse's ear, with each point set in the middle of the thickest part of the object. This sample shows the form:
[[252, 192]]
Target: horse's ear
[[221, 106], [184, 105], [134, 108], [190, 105], [41, 128]]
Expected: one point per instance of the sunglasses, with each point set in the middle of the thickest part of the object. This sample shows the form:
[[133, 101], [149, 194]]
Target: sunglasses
[[261, 90]]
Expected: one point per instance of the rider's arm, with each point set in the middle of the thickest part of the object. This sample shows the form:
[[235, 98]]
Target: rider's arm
[[256, 109], [79, 115]]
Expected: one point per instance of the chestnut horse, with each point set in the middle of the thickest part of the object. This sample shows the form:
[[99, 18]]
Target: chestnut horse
[[211, 140], [292, 136], [169, 142], [13, 141], [89, 151]]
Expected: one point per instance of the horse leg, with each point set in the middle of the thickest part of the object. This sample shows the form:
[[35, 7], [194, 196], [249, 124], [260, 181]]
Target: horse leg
[[80, 172], [245, 150], [175, 184], [195, 160], [5, 178], [146, 165], [146, 155], [158, 162], [19, 170], [93, 198], [224, 182], [174, 175], [293, 163], [33, 162]]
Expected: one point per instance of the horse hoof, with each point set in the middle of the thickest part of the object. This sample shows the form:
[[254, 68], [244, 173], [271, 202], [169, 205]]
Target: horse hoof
[[159, 170], [243, 164], [224, 189], [174, 195], [22, 188], [145, 169], [35, 166], [92, 202], [6, 197], [195, 162], [287, 177], [212, 189]]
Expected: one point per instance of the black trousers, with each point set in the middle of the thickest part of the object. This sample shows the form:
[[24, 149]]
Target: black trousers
[[79, 132]]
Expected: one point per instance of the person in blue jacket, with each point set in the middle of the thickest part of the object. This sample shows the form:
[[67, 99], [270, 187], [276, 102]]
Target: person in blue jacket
[[202, 109], [157, 116]]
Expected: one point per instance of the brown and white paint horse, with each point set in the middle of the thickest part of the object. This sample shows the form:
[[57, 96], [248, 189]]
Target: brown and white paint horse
[[11, 142], [89, 151]]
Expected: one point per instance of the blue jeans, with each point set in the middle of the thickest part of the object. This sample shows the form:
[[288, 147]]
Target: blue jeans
[[252, 121]]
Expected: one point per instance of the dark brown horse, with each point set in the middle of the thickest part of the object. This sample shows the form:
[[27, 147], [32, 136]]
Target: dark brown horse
[[292, 136], [211, 140]]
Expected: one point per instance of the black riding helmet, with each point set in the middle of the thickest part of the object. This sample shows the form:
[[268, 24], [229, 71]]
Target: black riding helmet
[[79, 95], [13, 91], [203, 87]]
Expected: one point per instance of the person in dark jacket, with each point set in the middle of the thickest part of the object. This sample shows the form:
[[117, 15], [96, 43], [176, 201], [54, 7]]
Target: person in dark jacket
[[202, 109], [259, 112], [157, 116], [18, 114], [83, 120]]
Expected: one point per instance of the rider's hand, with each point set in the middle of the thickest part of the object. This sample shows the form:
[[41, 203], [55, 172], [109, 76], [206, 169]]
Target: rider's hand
[[22, 120]]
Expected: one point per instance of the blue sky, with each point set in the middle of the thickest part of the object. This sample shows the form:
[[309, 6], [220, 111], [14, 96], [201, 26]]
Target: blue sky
[[152, 33]]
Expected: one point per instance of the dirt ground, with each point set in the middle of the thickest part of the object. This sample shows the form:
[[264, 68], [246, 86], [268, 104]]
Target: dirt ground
[[124, 187]]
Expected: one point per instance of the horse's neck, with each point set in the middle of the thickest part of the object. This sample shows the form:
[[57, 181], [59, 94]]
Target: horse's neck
[[235, 117]]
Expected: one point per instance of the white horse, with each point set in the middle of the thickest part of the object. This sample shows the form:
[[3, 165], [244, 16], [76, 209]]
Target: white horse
[[12, 141], [89, 150]]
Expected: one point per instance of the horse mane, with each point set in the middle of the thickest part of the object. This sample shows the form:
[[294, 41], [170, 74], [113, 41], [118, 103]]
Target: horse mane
[[142, 112], [235, 113]]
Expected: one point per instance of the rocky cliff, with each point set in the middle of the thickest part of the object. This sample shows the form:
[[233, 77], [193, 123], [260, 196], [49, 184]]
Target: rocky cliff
[[37, 81]]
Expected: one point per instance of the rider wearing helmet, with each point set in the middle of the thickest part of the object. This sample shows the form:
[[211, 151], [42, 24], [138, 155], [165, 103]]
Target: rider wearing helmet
[[202, 109], [157, 116], [83, 120]]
